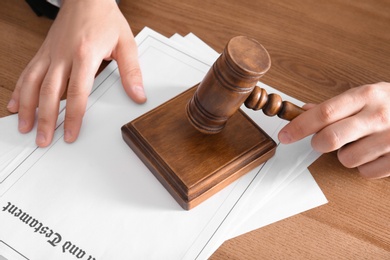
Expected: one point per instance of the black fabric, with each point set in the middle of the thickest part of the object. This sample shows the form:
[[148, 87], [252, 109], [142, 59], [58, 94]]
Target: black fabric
[[43, 8]]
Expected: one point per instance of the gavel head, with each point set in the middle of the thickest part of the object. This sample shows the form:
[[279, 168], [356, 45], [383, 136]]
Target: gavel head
[[227, 84]]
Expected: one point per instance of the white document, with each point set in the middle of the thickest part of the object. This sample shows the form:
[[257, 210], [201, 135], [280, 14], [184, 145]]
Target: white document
[[290, 201], [94, 199]]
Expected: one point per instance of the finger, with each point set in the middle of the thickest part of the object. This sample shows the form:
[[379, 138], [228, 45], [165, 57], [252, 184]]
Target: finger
[[343, 132], [379, 168], [126, 55], [320, 116], [33, 73], [308, 106], [52, 88], [26, 95], [13, 104], [365, 150], [79, 88]]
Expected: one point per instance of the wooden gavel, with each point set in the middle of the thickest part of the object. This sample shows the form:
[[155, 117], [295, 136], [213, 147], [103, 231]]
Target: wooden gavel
[[230, 82]]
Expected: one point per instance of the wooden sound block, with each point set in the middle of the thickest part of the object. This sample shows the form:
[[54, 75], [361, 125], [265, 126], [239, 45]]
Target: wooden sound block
[[193, 166]]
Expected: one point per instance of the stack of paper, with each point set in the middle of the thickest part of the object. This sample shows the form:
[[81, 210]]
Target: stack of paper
[[94, 199]]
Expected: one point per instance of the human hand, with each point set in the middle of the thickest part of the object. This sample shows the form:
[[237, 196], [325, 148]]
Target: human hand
[[83, 34], [356, 123]]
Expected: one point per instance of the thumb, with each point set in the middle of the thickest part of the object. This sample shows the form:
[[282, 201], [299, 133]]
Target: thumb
[[129, 70]]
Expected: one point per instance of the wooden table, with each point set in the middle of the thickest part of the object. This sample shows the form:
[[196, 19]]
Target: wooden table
[[318, 49]]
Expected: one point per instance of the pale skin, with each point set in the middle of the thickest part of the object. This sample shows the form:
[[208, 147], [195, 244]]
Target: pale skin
[[84, 33], [356, 123]]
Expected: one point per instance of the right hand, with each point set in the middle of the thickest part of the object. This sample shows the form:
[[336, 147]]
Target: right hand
[[356, 123]]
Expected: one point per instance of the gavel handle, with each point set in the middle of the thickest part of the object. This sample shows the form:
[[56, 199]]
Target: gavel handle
[[272, 104], [289, 111]]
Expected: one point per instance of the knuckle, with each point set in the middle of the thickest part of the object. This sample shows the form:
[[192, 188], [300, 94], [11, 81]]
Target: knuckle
[[72, 117], [83, 50], [44, 122], [382, 116], [30, 77], [326, 141], [326, 112], [133, 72], [370, 92], [48, 89], [23, 107], [75, 90], [73, 120]]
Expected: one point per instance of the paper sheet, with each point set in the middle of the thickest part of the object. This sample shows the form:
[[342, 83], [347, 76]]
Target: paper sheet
[[97, 196]]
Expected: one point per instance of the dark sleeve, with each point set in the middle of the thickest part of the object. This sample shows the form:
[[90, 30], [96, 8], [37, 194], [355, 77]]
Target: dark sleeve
[[43, 8]]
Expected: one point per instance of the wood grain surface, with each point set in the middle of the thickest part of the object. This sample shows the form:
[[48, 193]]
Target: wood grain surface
[[318, 49]]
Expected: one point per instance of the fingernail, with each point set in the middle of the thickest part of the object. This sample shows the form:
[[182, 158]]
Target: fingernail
[[41, 138], [22, 125], [139, 91], [68, 136], [11, 103], [284, 137]]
